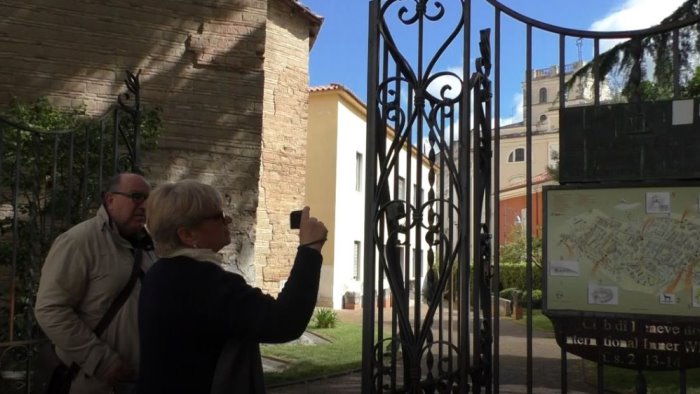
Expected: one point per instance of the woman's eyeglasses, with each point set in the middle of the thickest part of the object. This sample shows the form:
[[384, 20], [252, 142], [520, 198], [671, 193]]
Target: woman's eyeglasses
[[136, 196]]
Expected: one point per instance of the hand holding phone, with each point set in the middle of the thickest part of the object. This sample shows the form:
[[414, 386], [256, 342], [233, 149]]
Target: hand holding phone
[[312, 232]]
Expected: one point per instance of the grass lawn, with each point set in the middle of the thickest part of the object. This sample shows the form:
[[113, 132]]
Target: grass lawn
[[312, 361], [620, 380], [344, 354], [539, 321]]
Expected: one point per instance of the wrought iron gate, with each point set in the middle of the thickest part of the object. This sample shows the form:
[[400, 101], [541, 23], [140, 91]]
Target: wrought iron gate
[[50, 180], [431, 129]]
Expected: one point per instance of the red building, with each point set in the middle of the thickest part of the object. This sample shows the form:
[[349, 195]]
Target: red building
[[513, 207]]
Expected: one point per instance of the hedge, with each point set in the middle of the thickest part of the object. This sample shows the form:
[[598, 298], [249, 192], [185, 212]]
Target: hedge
[[513, 275]]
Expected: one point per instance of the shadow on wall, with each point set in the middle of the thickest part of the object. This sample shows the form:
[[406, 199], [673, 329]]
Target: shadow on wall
[[201, 62]]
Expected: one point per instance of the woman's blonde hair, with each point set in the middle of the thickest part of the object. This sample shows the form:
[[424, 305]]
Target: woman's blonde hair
[[174, 205]]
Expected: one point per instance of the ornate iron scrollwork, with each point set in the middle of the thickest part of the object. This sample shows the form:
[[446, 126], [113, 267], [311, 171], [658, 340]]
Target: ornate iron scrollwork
[[481, 370], [424, 109], [127, 121]]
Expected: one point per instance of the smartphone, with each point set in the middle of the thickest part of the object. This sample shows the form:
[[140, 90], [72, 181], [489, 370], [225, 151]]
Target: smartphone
[[294, 219]]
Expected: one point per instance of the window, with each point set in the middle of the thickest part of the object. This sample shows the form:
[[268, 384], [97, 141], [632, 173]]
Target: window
[[401, 192], [517, 155], [543, 95], [356, 261], [358, 171]]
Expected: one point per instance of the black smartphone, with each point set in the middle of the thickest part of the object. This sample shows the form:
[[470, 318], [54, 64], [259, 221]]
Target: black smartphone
[[294, 219]]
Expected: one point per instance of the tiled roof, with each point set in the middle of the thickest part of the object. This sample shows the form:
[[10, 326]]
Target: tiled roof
[[314, 19], [339, 88], [536, 180]]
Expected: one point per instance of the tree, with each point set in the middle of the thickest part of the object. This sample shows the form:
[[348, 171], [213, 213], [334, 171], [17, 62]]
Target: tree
[[628, 59], [553, 170], [515, 250]]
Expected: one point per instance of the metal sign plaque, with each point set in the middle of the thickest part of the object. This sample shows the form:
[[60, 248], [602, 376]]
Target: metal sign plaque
[[631, 343]]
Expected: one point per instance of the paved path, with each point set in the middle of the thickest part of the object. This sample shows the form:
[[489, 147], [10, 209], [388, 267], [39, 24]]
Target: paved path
[[513, 348]]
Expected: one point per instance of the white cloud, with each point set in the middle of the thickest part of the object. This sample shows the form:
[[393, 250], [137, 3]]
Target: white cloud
[[450, 81], [634, 15], [517, 114], [457, 70]]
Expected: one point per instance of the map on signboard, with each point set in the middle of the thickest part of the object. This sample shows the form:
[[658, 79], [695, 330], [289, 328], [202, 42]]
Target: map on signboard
[[623, 250]]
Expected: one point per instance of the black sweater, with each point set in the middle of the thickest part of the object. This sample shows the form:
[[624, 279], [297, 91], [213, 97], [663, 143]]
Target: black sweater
[[189, 309]]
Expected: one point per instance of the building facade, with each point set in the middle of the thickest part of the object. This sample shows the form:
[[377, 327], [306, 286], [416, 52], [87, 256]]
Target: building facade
[[544, 99], [335, 179]]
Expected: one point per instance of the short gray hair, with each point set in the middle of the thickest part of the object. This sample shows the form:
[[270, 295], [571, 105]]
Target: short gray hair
[[174, 205]]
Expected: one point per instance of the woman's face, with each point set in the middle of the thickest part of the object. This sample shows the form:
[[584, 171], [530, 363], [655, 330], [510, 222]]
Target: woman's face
[[213, 232]]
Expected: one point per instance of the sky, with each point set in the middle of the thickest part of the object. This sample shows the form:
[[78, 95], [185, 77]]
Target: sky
[[339, 54]]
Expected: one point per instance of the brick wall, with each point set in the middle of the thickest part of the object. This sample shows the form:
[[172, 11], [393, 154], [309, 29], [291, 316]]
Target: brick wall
[[204, 62], [282, 170]]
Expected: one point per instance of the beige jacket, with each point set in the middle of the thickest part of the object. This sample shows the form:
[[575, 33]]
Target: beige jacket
[[84, 271]]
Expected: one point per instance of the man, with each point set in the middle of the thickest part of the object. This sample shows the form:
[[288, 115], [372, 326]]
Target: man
[[85, 270]]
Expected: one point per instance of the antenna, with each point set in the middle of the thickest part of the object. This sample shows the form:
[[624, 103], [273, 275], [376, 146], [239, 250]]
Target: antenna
[[579, 44]]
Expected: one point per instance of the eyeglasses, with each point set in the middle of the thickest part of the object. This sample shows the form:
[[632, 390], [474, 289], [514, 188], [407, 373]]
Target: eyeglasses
[[217, 216], [136, 196]]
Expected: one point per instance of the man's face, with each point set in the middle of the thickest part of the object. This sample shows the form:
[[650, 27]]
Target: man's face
[[126, 204]]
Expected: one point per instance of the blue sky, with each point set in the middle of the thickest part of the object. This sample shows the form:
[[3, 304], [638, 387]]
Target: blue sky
[[340, 52]]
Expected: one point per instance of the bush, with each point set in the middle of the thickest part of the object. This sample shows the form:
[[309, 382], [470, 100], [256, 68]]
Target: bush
[[325, 318], [536, 298], [508, 293], [514, 275]]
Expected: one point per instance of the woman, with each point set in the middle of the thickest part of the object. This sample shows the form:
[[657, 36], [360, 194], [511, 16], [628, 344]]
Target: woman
[[200, 325]]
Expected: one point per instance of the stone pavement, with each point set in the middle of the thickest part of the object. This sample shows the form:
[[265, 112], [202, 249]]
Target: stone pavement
[[513, 348]]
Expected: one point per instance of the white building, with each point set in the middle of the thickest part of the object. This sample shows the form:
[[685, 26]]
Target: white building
[[335, 188]]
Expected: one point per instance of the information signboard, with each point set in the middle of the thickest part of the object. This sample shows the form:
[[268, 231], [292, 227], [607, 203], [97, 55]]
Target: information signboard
[[622, 273], [632, 250]]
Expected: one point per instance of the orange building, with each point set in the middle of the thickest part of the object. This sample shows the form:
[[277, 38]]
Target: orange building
[[513, 207]]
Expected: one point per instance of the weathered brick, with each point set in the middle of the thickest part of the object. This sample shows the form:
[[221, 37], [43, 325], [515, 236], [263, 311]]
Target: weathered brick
[[233, 96]]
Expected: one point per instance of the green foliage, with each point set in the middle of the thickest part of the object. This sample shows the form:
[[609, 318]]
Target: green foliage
[[508, 293], [540, 322], [515, 276], [693, 87], [325, 318], [623, 59], [512, 292], [515, 250], [553, 170], [621, 380], [342, 354], [52, 163], [536, 298], [650, 91]]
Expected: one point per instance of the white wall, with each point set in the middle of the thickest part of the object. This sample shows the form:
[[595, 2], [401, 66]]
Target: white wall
[[337, 140], [350, 203]]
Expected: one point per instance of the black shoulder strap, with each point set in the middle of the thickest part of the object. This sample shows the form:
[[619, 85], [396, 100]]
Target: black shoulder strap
[[123, 295], [118, 302]]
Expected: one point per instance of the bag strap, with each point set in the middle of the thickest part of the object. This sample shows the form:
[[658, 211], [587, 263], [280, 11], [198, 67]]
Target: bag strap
[[123, 295], [117, 304]]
